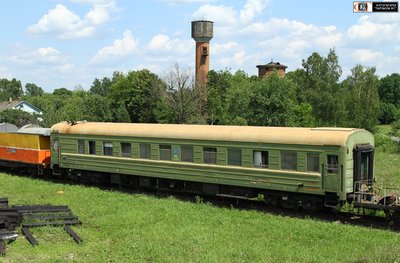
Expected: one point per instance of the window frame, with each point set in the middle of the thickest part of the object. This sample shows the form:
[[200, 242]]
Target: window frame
[[332, 168], [230, 160], [212, 155], [145, 151], [284, 155], [314, 156], [264, 159], [108, 148], [165, 152], [81, 146], [126, 154], [184, 152], [92, 147]]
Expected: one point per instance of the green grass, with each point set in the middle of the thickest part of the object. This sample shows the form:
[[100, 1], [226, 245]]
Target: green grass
[[387, 168], [384, 129], [387, 157], [121, 227]]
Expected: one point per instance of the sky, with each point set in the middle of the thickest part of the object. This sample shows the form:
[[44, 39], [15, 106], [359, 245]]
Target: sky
[[69, 43]]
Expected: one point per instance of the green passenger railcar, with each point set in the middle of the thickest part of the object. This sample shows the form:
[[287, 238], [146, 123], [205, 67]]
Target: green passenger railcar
[[289, 165]]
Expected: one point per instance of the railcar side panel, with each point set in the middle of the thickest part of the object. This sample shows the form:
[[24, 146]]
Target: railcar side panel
[[246, 175]]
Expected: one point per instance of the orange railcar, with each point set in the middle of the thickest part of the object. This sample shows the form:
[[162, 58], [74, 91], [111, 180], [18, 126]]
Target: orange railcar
[[19, 148]]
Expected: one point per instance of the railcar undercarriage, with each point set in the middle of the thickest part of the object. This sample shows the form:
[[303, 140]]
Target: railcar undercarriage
[[370, 195]]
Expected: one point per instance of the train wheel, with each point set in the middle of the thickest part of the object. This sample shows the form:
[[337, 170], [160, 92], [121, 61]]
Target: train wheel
[[393, 216], [308, 205], [270, 199]]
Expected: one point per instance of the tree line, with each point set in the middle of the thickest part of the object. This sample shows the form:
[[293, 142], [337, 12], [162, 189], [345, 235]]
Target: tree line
[[314, 95]]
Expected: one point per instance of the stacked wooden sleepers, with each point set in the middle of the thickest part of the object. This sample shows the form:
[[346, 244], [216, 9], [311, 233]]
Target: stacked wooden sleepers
[[10, 218], [33, 216]]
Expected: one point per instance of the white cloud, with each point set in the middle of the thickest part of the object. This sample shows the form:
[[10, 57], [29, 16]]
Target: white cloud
[[236, 60], [121, 48], [66, 68], [43, 55], [367, 56], [5, 73], [182, 2], [227, 15], [221, 15], [292, 38], [94, 2], [65, 24], [375, 29], [160, 44], [279, 26], [97, 15], [251, 9], [227, 47]]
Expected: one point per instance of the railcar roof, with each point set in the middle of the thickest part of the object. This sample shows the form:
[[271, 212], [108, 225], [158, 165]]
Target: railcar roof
[[286, 135]]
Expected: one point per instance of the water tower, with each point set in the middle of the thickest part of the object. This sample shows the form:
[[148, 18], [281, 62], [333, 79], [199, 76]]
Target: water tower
[[202, 33]]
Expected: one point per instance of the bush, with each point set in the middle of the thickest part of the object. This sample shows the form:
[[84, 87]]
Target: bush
[[389, 113], [396, 127], [385, 143]]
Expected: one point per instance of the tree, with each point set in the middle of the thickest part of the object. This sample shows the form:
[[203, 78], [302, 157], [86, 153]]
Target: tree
[[272, 102], [236, 109], [318, 85], [10, 89], [101, 87], [389, 94], [17, 117], [389, 89], [139, 92], [363, 98], [121, 114], [389, 113], [62, 92], [229, 97], [97, 108], [181, 101], [33, 90], [218, 83]]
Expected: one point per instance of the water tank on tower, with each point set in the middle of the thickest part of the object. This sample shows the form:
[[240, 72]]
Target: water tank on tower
[[202, 33]]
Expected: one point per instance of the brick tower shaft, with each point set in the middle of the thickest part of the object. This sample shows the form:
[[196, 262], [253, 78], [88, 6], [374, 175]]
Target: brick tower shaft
[[202, 33], [202, 62]]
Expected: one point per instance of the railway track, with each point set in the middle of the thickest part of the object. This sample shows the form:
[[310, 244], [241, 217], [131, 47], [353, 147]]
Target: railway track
[[332, 216], [225, 201]]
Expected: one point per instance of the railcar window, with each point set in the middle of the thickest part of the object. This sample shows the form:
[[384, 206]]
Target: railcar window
[[209, 155], [108, 149], [81, 146], [313, 162], [234, 157], [145, 151], [92, 147], [165, 152], [260, 159], [289, 160], [126, 149], [187, 153], [333, 164]]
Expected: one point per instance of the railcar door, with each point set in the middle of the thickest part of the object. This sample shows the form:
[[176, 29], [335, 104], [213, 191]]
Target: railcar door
[[331, 172], [55, 151], [363, 156]]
